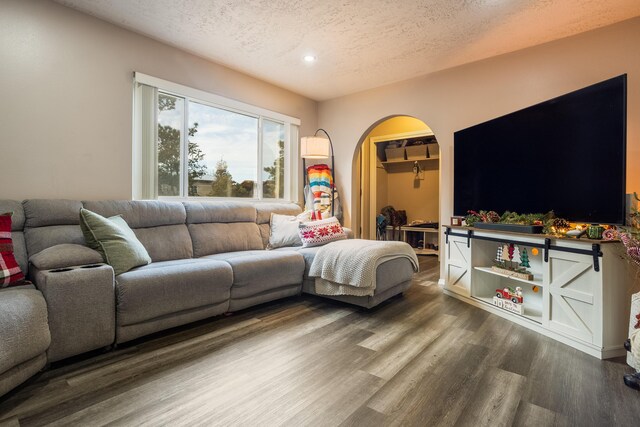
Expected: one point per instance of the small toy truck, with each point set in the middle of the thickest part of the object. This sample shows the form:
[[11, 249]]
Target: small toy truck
[[510, 294]]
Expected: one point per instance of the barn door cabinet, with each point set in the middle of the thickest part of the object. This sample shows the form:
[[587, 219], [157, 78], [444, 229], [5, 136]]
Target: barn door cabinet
[[578, 294]]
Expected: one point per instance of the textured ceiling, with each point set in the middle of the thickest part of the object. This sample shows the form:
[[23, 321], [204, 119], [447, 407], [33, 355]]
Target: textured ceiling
[[360, 44]]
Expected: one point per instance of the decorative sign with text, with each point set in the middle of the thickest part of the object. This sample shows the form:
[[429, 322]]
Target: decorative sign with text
[[508, 305]]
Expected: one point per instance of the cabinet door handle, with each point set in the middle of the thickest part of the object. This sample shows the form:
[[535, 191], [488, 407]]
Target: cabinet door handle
[[596, 254], [547, 246]]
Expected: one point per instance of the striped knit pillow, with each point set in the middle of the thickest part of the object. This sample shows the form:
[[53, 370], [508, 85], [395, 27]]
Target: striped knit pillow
[[10, 273]]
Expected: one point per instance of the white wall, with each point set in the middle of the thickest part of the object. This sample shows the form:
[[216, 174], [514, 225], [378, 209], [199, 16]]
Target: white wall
[[454, 99], [66, 99]]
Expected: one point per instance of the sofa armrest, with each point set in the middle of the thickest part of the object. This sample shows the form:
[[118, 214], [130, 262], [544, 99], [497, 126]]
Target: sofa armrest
[[81, 306], [65, 255], [23, 316], [349, 232]]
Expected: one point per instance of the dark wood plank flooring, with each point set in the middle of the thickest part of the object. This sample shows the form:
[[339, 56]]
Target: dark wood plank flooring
[[421, 359]]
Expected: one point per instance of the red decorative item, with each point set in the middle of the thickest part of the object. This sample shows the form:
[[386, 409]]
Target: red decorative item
[[10, 273], [609, 234], [510, 294], [315, 233], [511, 249], [637, 326]]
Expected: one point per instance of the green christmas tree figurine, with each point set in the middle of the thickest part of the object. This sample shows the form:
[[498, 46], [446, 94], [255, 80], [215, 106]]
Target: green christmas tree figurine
[[524, 258]]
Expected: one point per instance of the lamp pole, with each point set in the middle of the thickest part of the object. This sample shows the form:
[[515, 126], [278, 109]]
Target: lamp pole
[[333, 175]]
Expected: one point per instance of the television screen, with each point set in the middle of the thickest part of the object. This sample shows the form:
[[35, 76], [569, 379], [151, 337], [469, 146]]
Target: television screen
[[567, 154]]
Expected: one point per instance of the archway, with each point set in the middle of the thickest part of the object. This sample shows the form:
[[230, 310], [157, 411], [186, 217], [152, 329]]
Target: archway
[[379, 181]]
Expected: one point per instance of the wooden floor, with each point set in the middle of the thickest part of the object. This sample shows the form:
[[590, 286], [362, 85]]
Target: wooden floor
[[421, 359]]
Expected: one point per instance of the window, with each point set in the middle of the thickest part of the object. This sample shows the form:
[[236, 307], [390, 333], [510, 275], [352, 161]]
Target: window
[[190, 143]]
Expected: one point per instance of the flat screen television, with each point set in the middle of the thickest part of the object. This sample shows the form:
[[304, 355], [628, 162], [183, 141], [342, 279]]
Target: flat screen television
[[567, 154]]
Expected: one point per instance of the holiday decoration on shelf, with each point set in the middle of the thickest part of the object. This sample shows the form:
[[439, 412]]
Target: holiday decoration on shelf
[[498, 259], [560, 226], [509, 299], [511, 249], [549, 222], [505, 255], [507, 304], [610, 234], [481, 216], [511, 260], [514, 296], [516, 255], [524, 259]]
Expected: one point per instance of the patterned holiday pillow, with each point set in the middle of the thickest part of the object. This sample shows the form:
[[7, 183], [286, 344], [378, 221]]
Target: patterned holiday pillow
[[10, 273], [316, 233]]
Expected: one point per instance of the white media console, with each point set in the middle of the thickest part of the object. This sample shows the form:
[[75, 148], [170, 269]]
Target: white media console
[[579, 295]]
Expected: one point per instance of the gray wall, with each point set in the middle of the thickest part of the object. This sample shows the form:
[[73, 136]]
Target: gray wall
[[66, 99]]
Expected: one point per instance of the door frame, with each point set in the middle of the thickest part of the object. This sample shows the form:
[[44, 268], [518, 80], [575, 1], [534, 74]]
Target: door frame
[[369, 163]]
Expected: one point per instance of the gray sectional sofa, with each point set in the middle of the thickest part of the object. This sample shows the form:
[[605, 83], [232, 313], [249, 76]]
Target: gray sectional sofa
[[208, 258]]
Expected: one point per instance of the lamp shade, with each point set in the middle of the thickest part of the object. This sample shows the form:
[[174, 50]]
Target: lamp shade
[[314, 147]]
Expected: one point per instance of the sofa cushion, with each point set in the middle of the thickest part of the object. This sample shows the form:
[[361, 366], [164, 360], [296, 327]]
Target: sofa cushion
[[20, 373], [264, 211], [24, 333], [40, 238], [65, 255], [168, 287], [265, 231], [115, 241], [166, 243], [219, 212], [140, 213], [160, 226], [50, 222], [214, 238], [308, 254], [47, 212], [255, 272], [10, 272]]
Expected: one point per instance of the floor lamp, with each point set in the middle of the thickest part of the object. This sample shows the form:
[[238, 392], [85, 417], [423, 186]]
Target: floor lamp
[[318, 147]]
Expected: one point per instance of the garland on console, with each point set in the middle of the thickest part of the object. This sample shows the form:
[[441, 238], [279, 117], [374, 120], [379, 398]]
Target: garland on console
[[551, 224]]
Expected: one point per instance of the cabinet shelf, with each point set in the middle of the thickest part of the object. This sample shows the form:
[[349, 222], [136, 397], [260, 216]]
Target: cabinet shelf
[[537, 278], [393, 162], [425, 251], [428, 234]]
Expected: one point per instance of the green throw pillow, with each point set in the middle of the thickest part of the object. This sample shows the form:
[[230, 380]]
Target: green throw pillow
[[116, 242]]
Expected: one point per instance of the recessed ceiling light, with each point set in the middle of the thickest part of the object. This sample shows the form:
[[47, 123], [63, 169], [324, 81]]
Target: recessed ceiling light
[[310, 58]]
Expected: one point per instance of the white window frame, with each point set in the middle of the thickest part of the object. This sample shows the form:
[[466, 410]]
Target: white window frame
[[291, 127]]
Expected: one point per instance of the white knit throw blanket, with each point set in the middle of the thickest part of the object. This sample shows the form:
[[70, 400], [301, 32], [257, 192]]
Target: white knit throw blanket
[[348, 267]]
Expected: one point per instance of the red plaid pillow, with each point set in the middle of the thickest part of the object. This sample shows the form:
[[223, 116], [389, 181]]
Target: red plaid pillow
[[316, 233], [10, 273]]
